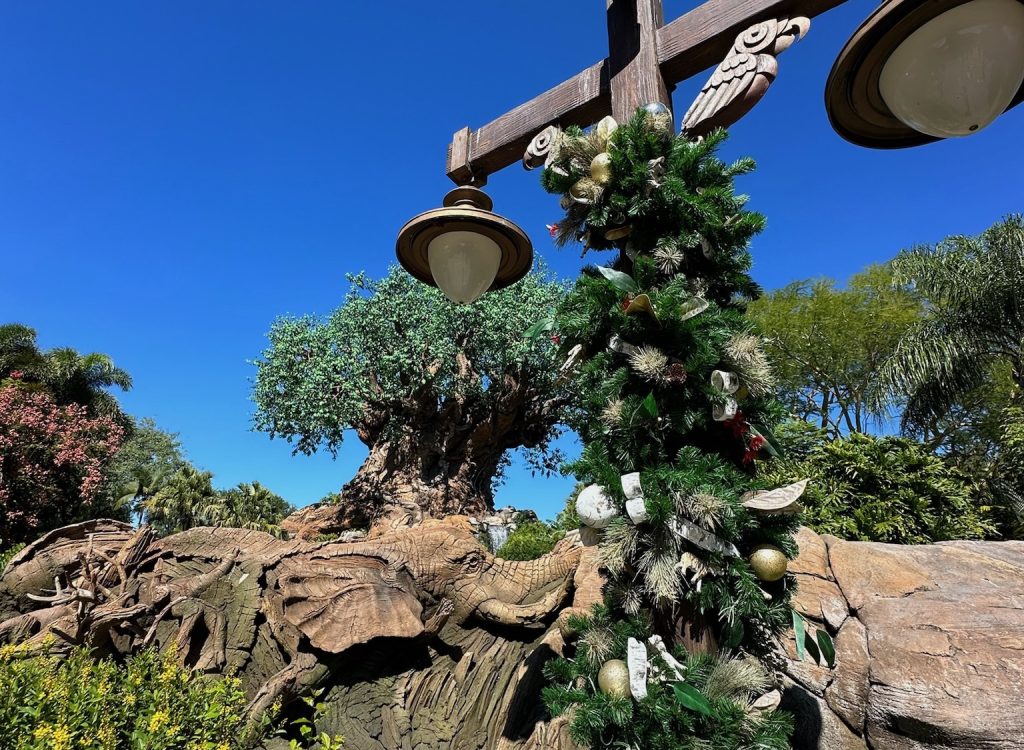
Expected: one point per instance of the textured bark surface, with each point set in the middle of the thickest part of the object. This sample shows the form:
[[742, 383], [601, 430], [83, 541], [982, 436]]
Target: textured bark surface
[[422, 640], [442, 453], [929, 646], [420, 637]]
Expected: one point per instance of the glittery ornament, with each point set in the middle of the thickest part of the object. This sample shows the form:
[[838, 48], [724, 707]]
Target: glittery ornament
[[768, 562], [585, 191], [601, 168], [613, 679]]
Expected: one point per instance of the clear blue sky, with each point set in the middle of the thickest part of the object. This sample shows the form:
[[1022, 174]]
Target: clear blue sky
[[174, 175]]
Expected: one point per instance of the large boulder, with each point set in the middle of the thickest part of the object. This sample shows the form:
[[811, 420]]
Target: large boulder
[[929, 646]]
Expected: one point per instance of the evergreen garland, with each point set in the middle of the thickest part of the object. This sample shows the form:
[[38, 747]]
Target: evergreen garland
[[650, 330]]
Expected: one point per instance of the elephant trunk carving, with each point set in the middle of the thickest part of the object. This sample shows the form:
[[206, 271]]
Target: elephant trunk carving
[[218, 597]]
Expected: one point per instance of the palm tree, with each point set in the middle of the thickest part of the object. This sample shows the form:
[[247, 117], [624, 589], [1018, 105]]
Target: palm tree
[[975, 319], [184, 501], [18, 351], [131, 498], [70, 377], [187, 499], [83, 379], [974, 325], [248, 506]]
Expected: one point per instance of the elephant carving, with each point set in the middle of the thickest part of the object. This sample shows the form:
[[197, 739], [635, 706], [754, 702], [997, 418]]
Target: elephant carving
[[278, 613]]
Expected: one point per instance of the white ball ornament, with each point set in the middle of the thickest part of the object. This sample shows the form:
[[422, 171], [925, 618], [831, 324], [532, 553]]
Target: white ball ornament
[[595, 508]]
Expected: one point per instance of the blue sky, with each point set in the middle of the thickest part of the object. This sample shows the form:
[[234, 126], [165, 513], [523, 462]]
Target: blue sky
[[175, 175]]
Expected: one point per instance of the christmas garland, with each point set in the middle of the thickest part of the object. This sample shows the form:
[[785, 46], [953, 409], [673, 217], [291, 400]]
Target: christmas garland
[[674, 409]]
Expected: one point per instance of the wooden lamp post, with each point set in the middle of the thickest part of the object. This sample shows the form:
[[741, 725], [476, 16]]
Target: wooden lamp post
[[890, 87]]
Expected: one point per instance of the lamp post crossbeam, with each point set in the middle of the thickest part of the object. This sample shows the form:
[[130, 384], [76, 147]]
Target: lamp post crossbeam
[[646, 61]]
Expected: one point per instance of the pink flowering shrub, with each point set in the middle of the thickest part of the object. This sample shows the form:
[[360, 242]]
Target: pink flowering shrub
[[51, 461]]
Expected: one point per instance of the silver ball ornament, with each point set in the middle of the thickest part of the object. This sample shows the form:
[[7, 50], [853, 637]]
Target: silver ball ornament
[[659, 116], [656, 108]]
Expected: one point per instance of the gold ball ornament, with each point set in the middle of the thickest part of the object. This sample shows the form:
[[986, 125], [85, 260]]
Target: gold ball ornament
[[768, 562], [613, 679], [601, 168]]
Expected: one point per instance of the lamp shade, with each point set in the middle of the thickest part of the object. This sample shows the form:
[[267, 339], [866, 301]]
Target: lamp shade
[[920, 70], [464, 248], [959, 71], [463, 264]]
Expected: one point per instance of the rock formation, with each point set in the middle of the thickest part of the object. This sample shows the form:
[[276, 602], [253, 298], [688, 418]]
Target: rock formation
[[420, 634], [422, 639], [929, 646]]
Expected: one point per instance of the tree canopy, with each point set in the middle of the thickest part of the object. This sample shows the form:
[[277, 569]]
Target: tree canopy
[[440, 392], [70, 377], [828, 345]]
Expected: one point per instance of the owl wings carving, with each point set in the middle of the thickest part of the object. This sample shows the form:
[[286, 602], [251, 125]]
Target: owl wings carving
[[740, 81]]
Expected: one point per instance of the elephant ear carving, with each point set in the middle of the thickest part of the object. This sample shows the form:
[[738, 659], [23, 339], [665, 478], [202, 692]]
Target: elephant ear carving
[[345, 601]]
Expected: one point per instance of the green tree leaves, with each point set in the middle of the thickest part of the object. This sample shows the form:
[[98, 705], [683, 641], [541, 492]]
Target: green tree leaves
[[884, 490], [828, 346]]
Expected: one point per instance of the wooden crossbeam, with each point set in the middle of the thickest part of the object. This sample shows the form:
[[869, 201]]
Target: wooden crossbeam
[[688, 45]]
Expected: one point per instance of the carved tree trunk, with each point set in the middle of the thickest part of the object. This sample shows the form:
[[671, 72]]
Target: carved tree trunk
[[414, 469], [420, 638], [443, 454]]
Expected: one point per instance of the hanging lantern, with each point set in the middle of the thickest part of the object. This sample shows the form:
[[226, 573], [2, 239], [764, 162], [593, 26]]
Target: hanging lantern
[[920, 70], [463, 248]]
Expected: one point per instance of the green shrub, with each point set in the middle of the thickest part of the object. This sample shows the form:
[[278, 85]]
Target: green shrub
[[884, 490], [1006, 482], [529, 541], [7, 554], [150, 703]]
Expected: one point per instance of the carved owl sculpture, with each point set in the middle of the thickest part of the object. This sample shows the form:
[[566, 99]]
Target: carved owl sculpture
[[740, 81]]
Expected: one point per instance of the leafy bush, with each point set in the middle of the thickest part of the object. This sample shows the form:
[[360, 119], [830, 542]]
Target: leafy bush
[[150, 703], [52, 459], [1006, 483], [529, 541], [7, 554], [884, 490]]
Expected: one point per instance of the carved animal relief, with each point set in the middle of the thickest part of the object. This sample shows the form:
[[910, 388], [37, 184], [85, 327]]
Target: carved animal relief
[[740, 81]]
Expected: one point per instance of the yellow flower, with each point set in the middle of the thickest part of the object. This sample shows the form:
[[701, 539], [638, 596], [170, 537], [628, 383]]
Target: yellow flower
[[157, 720], [169, 672], [60, 739], [42, 731]]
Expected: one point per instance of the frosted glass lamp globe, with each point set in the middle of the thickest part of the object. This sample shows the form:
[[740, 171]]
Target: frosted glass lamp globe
[[958, 72], [463, 264]]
